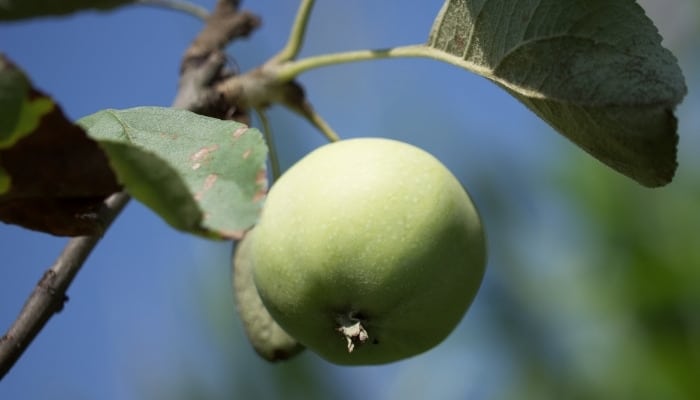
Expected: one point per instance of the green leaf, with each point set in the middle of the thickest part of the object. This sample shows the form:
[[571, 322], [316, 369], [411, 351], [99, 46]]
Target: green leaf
[[20, 9], [21, 108], [268, 339], [594, 70], [200, 174]]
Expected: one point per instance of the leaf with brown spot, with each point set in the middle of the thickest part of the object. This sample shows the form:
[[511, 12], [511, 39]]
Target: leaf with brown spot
[[53, 178], [190, 169]]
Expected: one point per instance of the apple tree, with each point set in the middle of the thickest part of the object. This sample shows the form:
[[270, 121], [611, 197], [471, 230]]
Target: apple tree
[[595, 71]]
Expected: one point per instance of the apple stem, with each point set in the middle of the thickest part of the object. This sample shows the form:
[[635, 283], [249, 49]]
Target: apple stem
[[353, 331]]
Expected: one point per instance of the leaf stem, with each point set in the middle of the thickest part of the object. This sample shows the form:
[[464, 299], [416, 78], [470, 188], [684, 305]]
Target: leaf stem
[[296, 35], [269, 138], [179, 5], [291, 69]]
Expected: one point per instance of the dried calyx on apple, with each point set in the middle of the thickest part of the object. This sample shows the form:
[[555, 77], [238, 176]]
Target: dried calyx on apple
[[368, 251]]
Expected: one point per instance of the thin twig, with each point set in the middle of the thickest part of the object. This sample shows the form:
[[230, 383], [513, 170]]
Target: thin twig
[[192, 9], [50, 293]]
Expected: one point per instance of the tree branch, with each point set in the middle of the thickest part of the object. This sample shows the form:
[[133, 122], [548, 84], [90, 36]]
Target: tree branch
[[225, 24], [204, 63], [202, 67], [49, 295]]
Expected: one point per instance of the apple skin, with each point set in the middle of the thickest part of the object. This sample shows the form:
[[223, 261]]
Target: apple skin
[[374, 231]]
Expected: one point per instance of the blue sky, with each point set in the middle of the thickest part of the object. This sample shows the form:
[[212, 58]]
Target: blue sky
[[133, 318]]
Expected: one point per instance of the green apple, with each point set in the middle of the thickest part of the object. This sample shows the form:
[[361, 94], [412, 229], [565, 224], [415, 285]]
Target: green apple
[[368, 251]]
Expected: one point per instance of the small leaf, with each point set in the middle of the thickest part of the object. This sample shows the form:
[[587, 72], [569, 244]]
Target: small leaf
[[268, 339], [200, 174], [595, 70], [19, 9], [53, 178]]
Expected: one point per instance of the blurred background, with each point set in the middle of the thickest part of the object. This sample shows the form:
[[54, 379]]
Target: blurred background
[[593, 283]]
